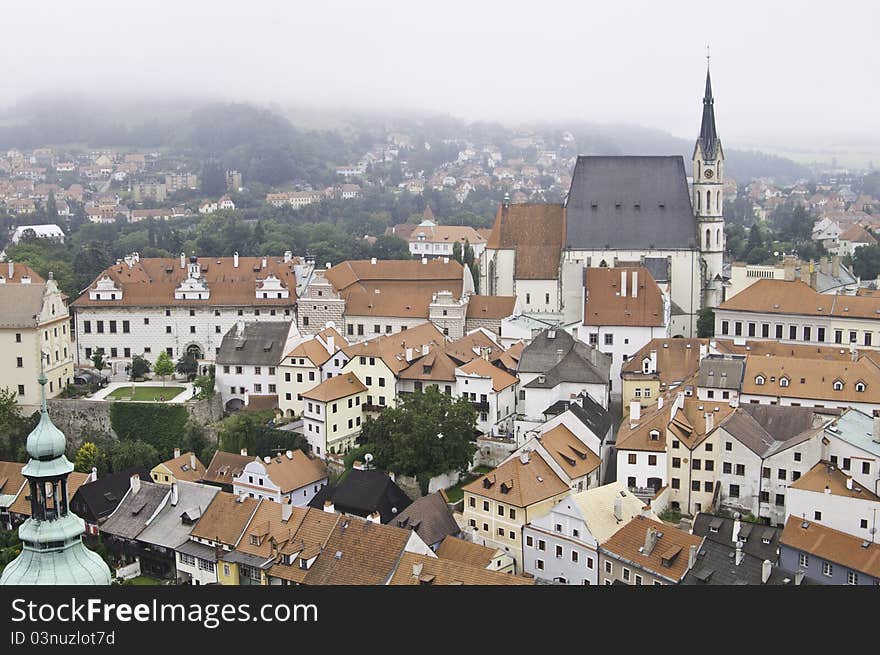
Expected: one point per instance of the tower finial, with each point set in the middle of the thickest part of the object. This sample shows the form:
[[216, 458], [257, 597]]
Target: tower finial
[[708, 55], [42, 380]]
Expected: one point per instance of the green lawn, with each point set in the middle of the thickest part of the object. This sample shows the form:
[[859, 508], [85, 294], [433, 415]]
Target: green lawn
[[143, 580], [145, 393]]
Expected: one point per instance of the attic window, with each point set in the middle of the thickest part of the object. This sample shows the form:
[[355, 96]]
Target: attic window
[[860, 386], [759, 379], [655, 435], [255, 540], [594, 204], [783, 382], [837, 385]]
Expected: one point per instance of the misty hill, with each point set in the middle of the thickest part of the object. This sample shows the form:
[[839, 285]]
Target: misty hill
[[269, 149]]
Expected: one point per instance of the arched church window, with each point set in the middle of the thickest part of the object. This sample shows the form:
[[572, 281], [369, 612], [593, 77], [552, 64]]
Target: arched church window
[[698, 200], [698, 169], [718, 237], [708, 201], [708, 238]]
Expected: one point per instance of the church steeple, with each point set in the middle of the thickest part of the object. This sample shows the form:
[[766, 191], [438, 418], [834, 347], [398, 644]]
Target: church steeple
[[52, 551], [708, 134]]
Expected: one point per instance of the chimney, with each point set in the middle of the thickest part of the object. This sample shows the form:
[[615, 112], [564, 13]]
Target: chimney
[[798, 577], [835, 266], [710, 421], [766, 569], [876, 427], [623, 284], [192, 461], [94, 475], [635, 411], [373, 261], [635, 286], [645, 512], [524, 457], [235, 259], [409, 354], [849, 483], [446, 260], [327, 266], [134, 482], [659, 402], [692, 556], [10, 268], [824, 265], [183, 260], [289, 454], [288, 255], [417, 570], [814, 279], [286, 511], [265, 262], [424, 260], [618, 507], [737, 526], [374, 518], [174, 494], [329, 507], [331, 344], [244, 452], [239, 327], [650, 541], [827, 489], [176, 453], [739, 553], [653, 361]]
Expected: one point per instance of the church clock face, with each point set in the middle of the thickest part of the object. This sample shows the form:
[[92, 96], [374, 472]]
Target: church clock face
[[709, 173]]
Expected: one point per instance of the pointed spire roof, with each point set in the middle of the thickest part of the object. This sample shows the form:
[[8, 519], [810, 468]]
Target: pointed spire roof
[[708, 139]]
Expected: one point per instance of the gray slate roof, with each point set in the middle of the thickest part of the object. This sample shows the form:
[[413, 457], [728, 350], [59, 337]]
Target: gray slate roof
[[20, 304], [721, 373], [767, 429], [261, 344], [716, 565], [628, 193], [658, 267], [430, 517], [577, 362], [750, 534], [132, 514], [597, 419], [168, 528]]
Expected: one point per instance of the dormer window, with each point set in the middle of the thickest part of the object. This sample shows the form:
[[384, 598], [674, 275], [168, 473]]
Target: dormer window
[[837, 385], [860, 386], [655, 435], [646, 365], [783, 382], [759, 379], [255, 540]]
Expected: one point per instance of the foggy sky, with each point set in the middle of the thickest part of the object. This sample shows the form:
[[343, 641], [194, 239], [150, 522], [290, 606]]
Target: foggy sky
[[782, 71]]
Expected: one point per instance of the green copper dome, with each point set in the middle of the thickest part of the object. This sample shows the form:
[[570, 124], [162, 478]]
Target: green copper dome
[[45, 441]]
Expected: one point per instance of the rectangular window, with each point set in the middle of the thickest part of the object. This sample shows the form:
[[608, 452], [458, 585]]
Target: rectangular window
[[710, 465], [765, 330], [847, 462], [820, 335], [100, 327], [609, 339], [780, 500], [631, 458], [608, 567], [807, 333], [726, 468], [652, 460], [741, 469], [725, 327], [751, 329], [676, 483], [827, 569], [695, 485], [697, 465], [676, 462], [738, 329], [803, 560], [734, 491], [626, 574]]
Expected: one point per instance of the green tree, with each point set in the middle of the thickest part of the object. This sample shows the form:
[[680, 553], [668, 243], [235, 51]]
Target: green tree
[[205, 384], [51, 207], [13, 426], [163, 366], [195, 439], [426, 434], [87, 456], [130, 453], [706, 323], [139, 367], [250, 430], [187, 365], [98, 359], [456, 252], [866, 261]]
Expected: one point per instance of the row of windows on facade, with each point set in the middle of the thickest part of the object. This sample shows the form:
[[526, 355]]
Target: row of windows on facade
[[258, 370], [258, 388], [21, 388], [45, 333], [352, 402], [301, 361], [126, 325], [806, 332], [785, 381], [472, 502], [529, 298], [352, 423], [852, 577], [19, 361]]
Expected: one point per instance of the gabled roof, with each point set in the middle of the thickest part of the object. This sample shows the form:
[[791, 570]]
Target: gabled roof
[[677, 359], [608, 301], [536, 232], [577, 362], [225, 466], [490, 307], [719, 529], [415, 569], [467, 552], [181, 467], [430, 518], [339, 386], [11, 480], [501, 379], [358, 552], [132, 514], [721, 373], [226, 518], [172, 525], [832, 545], [260, 343], [294, 472], [813, 378], [20, 304], [589, 412], [100, 497], [392, 348], [629, 203], [518, 484], [768, 429], [796, 297], [313, 350], [363, 492], [827, 478], [597, 508], [857, 234], [569, 452], [668, 558]]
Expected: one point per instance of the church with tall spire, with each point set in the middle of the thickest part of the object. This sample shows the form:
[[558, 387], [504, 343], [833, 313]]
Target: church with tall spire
[[621, 211], [53, 552], [708, 199]]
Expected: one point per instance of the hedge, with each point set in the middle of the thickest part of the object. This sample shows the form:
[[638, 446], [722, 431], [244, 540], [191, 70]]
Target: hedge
[[160, 425]]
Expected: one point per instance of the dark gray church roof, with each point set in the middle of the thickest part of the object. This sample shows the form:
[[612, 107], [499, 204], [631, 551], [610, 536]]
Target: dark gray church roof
[[629, 202]]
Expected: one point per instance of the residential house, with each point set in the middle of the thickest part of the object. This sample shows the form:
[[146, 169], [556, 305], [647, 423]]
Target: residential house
[[11, 485], [366, 493], [720, 377], [624, 309], [492, 390], [120, 530], [431, 240], [660, 365], [292, 477], [95, 501], [218, 530], [498, 504], [246, 363], [854, 447], [828, 556], [853, 238], [224, 468], [648, 552], [52, 232], [183, 466], [563, 546], [311, 362], [333, 414], [431, 518], [414, 569], [468, 552], [588, 421]]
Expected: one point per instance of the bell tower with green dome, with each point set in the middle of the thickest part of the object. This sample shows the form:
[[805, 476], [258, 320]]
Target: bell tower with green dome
[[52, 552]]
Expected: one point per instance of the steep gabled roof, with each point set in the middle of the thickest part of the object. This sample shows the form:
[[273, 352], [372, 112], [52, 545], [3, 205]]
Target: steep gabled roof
[[561, 358], [430, 518], [536, 232]]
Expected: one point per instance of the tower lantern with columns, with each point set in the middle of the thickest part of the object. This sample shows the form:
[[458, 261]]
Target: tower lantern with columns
[[52, 550], [708, 200]]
